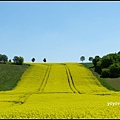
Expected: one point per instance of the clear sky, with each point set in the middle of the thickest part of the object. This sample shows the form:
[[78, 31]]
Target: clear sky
[[59, 31]]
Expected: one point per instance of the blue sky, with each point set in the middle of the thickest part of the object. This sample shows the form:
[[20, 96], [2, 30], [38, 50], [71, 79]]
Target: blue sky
[[59, 31]]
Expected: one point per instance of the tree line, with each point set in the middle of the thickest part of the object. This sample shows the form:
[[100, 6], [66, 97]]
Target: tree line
[[18, 60], [3, 58], [108, 65]]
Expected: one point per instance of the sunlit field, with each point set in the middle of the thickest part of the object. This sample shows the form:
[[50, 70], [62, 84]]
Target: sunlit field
[[59, 90]]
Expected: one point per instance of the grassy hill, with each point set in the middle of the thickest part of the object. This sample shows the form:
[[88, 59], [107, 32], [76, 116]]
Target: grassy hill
[[10, 74]]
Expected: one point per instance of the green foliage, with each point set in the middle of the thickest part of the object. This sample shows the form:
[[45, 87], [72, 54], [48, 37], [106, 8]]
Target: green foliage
[[105, 72], [44, 60], [98, 67], [21, 60], [119, 52], [82, 58], [107, 61], [18, 60], [90, 58], [33, 60], [114, 70], [95, 60], [10, 60], [0, 57], [3, 58], [111, 62]]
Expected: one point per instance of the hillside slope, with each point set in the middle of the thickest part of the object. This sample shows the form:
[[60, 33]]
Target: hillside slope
[[10, 75], [109, 83], [59, 77]]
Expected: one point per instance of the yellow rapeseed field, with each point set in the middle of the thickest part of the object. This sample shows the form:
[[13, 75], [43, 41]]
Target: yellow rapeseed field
[[59, 90]]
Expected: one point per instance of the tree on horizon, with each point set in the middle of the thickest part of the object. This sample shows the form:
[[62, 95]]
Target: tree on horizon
[[82, 58], [90, 58], [44, 60], [33, 60]]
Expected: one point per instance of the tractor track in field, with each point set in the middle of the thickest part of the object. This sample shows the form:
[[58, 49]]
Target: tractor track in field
[[45, 79], [70, 79], [22, 99]]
